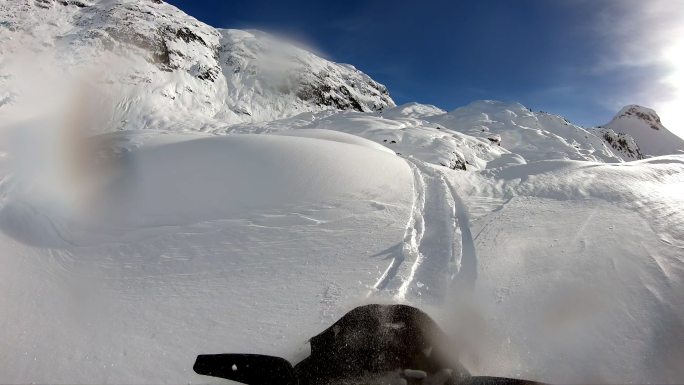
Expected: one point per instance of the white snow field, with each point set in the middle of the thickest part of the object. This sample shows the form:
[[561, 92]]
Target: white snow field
[[203, 244], [180, 244], [580, 270], [169, 189]]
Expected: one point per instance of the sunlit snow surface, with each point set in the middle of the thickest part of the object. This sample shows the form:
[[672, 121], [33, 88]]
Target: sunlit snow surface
[[204, 244], [580, 270], [194, 244]]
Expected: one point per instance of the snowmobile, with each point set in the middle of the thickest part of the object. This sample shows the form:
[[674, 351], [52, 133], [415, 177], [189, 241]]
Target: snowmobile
[[372, 344]]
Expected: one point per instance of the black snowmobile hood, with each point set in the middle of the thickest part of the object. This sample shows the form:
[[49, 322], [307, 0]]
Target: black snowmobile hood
[[389, 344]]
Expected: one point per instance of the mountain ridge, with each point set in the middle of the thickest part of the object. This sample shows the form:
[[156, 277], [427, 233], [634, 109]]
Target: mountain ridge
[[163, 69]]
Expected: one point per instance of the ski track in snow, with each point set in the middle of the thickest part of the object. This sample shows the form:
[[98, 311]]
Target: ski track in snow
[[412, 236], [432, 259], [467, 273]]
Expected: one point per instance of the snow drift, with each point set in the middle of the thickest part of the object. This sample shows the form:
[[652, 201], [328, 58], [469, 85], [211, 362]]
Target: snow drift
[[197, 244]]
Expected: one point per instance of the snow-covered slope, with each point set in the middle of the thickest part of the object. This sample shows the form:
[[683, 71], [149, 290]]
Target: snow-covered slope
[[187, 244], [403, 135], [562, 271], [644, 126], [484, 134], [156, 62], [591, 253], [535, 136]]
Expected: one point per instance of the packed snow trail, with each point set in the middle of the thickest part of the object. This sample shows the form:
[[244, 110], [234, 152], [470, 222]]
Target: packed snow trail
[[428, 265]]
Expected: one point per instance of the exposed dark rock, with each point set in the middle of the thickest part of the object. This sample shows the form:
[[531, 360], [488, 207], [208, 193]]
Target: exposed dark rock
[[355, 105], [322, 94], [495, 139], [162, 57], [210, 74], [456, 162], [45, 4], [188, 36], [622, 143], [72, 2]]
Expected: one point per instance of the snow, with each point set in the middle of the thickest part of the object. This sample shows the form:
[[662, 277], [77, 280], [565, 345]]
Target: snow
[[598, 288], [196, 243], [149, 213], [335, 136], [535, 136], [413, 110], [207, 236]]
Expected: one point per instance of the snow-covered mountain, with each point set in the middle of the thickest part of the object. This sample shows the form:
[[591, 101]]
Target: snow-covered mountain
[[482, 135], [643, 126], [153, 61], [169, 189], [157, 67]]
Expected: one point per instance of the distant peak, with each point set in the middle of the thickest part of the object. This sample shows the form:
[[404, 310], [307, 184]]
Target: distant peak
[[644, 126], [647, 115], [414, 110]]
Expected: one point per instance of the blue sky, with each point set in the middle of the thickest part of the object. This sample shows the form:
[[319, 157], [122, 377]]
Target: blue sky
[[583, 59]]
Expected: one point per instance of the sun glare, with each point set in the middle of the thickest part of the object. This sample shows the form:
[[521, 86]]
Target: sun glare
[[671, 111]]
